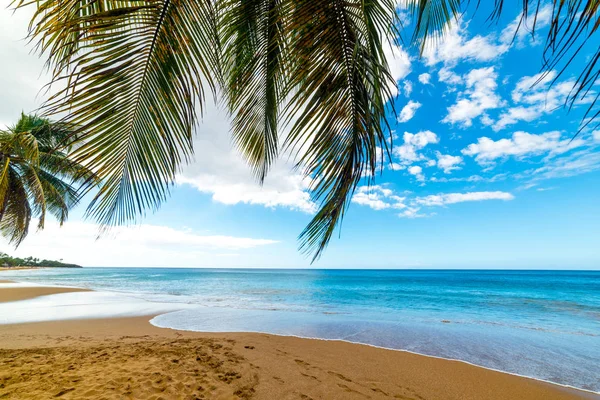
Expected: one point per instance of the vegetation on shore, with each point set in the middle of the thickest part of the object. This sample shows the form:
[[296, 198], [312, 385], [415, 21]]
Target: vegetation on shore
[[8, 261]]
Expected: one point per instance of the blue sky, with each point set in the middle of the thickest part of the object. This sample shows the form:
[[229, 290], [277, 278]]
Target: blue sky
[[484, 174]]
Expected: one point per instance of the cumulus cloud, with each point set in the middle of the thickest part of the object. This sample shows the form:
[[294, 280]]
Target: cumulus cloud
[[399, 64], [447, 162], [408, 87], [143, 246], [382, 198], [408, 111], [478, 97], [515, 114], [417, 172], [377, 198], [409, 151], [412, 212], [448, 76], [425, 78], [220, 171], [535, 96], [520, 145], [520, 29], [454, 46], [452, 198]]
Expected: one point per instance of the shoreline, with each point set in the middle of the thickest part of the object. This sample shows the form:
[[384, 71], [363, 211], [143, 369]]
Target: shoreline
[[389, 349], [58, 334]]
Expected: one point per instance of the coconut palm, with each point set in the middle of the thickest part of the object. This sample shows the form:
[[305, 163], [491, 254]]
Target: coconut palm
[[134, 75], [37, 176]]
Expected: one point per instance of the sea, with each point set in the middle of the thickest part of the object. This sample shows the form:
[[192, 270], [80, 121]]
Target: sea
[[540, 324]]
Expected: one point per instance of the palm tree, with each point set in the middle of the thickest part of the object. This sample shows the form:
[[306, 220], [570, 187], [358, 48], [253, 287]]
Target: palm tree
[[37, 176], [134, 74]]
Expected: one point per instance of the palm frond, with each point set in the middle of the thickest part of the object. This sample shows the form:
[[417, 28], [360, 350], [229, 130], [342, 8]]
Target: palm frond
[[28, 174], [341, 84], [37, 176], [432, 18], [134, 74], [59, 196], [15, 213], [253, 58]]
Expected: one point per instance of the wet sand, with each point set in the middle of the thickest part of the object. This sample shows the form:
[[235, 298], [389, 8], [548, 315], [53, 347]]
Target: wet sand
[[128, 358]]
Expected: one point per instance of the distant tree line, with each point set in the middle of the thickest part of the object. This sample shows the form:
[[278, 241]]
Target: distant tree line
[[8, 261]]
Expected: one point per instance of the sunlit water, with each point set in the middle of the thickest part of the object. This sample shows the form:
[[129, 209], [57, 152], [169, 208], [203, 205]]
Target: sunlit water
[[542, 324]]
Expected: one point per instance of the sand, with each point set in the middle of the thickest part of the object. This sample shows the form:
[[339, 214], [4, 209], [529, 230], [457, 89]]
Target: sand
[[19, 268], [128, 358]]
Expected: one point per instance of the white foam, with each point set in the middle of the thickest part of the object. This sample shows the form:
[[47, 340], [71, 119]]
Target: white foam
[[8, 285], [80, 305]]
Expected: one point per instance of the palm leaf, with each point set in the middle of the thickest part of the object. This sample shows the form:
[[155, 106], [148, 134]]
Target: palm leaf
[[253, 50], [341, 84], [134, 73], [16, 212], [38, 176]]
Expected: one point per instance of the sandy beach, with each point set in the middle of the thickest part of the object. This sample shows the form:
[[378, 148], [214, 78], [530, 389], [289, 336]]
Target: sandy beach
[[128, 358]]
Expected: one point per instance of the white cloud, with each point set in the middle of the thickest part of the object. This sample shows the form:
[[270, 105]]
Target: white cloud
[[377, 198], [578, 163], [399, 64], [596, 135], [396, 166], [448, 163], [408, 111], [452, 198], [381, 198], [448, 76], [536, 95], [412, 212], [220, 171], [408, 152], [438, 200], [454, 47], [143, 246], [521, 28], [514, 115], [476, 99], [425, 78], [417, 172], [520, 145], [408, 88]]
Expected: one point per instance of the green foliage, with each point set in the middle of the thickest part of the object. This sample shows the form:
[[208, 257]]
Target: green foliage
[[7, 260], [37, 176], [134, 76]]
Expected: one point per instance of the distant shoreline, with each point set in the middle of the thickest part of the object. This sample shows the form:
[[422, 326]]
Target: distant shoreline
[[31, 267]]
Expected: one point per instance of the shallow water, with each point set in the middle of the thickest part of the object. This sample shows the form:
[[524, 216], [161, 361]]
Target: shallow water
[[543, 324]]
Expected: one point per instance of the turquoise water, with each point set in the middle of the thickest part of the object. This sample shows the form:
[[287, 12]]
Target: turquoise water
[[542, 324]]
